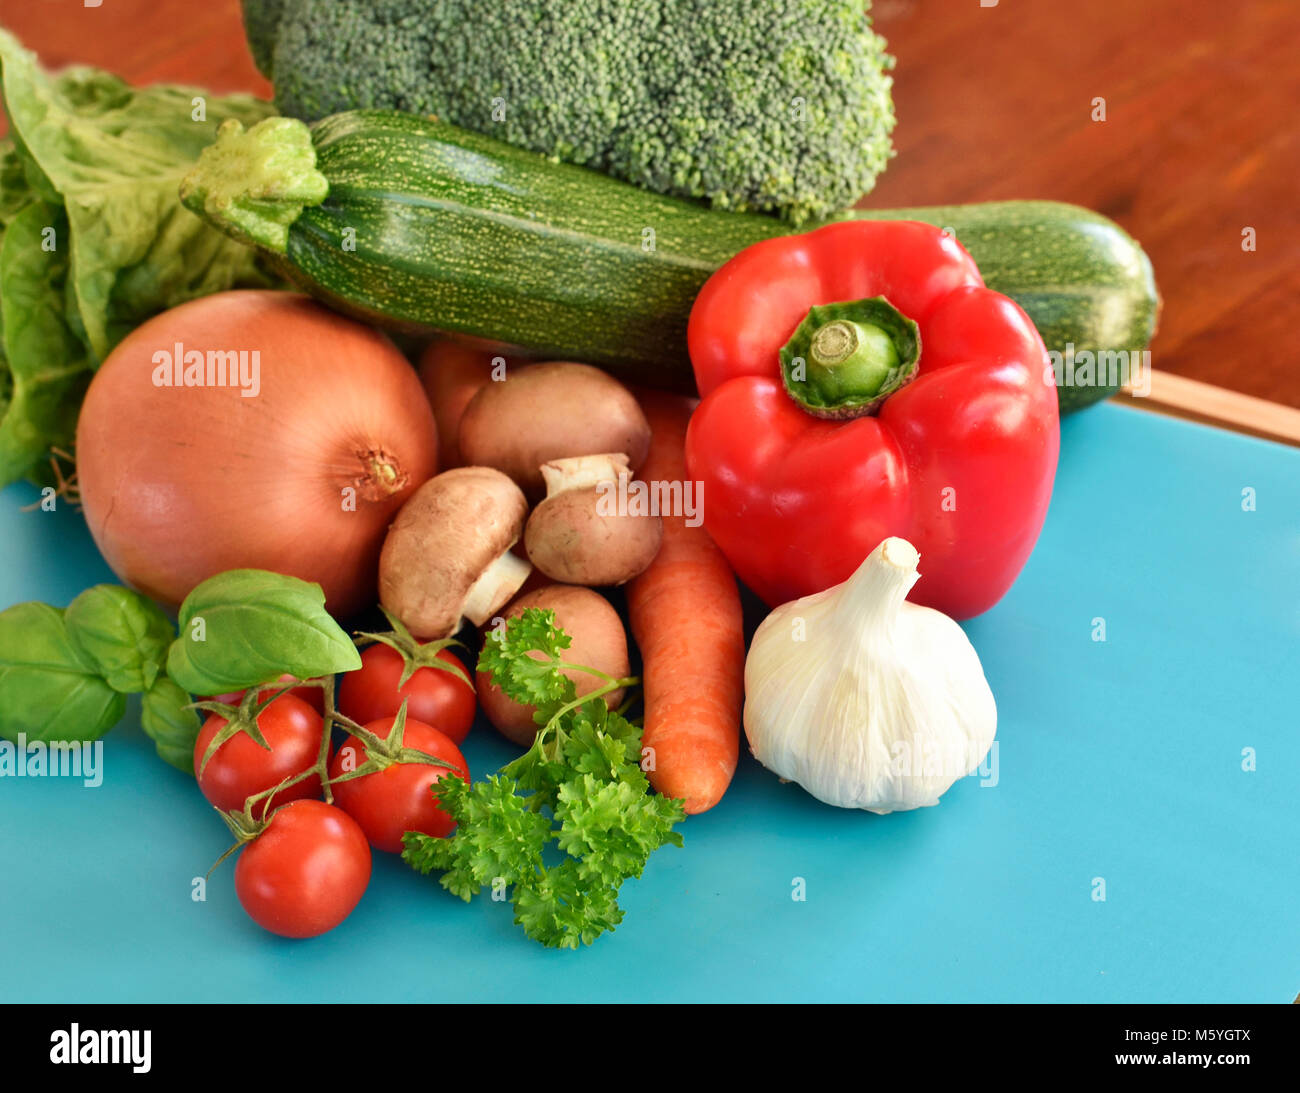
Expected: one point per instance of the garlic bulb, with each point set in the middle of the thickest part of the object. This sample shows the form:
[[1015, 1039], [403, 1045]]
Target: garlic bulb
[[864, 699]]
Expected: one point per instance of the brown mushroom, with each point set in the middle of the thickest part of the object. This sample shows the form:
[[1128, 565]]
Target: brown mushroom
[[598, 641], [541, 412], [584, 533], [447, 555]]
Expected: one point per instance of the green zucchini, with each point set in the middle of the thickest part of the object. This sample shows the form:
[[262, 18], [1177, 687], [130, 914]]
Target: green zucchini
[[416, 224]]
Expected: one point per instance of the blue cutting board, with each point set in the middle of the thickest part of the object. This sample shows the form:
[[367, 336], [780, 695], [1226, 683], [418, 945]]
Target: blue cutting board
[[1118, 762]]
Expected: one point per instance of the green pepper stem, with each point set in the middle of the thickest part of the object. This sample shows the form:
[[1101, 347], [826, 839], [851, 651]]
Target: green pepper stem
[[845, 359], [850, 359]]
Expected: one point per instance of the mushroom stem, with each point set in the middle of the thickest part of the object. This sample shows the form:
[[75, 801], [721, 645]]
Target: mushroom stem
[[580, 534], [582, 472], [501, 580]]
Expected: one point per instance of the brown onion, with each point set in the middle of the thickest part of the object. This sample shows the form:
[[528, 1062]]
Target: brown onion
[[182, 482]]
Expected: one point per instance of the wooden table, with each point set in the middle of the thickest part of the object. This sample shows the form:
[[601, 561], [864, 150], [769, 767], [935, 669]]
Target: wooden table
[[1199, 140]]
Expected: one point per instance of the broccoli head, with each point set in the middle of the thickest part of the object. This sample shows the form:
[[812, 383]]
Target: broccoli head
[[779, 107]]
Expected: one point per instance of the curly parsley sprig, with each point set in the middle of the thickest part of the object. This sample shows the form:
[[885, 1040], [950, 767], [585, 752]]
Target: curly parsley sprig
[[579, 788]]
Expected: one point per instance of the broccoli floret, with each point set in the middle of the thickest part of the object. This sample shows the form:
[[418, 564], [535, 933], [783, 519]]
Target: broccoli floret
[[771, 107], [261, 21]]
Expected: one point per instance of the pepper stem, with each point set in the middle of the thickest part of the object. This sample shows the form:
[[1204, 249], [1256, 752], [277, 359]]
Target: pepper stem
[[851, 357], [845, 359]]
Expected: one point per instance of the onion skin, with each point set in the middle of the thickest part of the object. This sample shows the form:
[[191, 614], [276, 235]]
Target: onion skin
[[181, 483]]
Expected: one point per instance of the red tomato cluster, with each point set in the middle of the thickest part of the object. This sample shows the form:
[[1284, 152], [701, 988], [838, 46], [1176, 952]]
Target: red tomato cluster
[[390, 802], [308, 867], [433, 696]]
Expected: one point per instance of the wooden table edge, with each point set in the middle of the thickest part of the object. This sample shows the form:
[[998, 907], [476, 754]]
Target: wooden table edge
[[1192, 400]]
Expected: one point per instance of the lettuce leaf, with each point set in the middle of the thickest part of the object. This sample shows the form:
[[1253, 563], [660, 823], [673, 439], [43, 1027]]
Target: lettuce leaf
[[14, 191], [14, 194], [101, 163], [47, 364]]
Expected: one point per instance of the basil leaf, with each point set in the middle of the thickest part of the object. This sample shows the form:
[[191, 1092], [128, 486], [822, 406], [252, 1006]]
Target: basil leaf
[[49, 689], [122, 633], [247, 626], [169, 724]]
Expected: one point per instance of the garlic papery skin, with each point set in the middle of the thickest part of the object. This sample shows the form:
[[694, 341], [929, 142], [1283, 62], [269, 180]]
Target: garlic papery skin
[[864, 699]]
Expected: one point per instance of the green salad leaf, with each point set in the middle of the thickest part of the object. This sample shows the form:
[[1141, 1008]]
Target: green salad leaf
[[47, 366], [100, 163], [14, 190], [578, 790], [245, 627]]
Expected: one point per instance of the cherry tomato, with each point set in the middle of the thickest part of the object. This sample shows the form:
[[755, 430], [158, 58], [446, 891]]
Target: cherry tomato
[[433, 696], [313, 696], [305, 873], [389, 802], [241, 767]]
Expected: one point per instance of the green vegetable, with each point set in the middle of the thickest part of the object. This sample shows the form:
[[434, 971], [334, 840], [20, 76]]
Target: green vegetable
[[579, 787], [168, 721], [14, 191], [845, 359], [94, 238], [246, 627], [768, 107], [64, 675], [123, 635], [50, 690], [45, 366], [427, 225], [278, 148]]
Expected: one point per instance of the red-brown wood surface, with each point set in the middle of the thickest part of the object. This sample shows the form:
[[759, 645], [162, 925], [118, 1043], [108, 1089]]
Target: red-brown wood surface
[[1200, 139]]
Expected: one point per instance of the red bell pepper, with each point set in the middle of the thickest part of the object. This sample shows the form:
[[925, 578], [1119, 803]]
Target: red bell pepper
[[914, 407]]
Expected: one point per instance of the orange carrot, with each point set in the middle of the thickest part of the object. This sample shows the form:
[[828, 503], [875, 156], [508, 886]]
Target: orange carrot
[[686, 618]]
